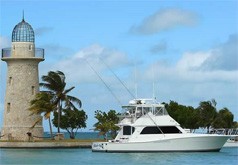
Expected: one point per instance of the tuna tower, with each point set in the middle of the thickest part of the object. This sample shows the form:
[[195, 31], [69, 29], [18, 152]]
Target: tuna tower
[[22, 84]]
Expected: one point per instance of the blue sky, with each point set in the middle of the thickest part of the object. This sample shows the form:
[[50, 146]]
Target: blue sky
[[189, 49]]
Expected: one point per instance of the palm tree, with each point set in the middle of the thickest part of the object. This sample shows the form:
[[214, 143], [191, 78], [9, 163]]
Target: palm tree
[[55, 83], [207, 111], [43, 104]]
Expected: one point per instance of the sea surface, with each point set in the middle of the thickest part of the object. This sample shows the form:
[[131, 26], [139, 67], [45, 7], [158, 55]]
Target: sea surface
[[227, 155]]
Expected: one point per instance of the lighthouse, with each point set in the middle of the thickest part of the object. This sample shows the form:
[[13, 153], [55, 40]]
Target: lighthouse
[[22, 84]]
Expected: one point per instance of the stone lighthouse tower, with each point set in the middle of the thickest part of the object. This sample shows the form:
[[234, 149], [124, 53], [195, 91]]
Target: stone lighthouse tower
[[22, 84]]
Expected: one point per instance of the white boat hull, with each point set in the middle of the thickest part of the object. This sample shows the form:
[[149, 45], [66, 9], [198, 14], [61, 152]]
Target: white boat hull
[[203, 143]]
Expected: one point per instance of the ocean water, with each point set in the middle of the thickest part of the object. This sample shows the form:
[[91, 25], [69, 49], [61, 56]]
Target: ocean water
[[228, 155]]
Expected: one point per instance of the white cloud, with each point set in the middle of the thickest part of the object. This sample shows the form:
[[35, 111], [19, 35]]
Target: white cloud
[[217, 64], [164, 20], [78, 66], [188, 69], [224, 56], [192, 60]]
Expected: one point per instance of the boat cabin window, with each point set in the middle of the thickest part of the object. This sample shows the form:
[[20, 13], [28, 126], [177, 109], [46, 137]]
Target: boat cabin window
[[164, 129], [130, 110], [147, 110], [139, 112], [128, 130], [170, 129], [151, 130], [159, 111]]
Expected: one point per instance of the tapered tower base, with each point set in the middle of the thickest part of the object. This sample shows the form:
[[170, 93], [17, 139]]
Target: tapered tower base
[[21, 133]]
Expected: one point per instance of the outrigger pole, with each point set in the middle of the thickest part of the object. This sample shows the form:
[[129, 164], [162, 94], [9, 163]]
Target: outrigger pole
[[118, 79], [103, 82]]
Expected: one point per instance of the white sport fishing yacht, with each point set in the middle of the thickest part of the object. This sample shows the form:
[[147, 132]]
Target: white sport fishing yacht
[[147, 127]]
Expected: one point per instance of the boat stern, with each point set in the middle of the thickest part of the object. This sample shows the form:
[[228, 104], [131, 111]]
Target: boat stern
[[99, 146]]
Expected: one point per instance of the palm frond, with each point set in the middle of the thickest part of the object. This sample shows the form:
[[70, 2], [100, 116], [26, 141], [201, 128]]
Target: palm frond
[[54, 81], [74, 100], [68, 90]]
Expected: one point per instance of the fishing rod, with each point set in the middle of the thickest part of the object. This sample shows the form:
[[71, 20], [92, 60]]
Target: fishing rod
[[103, 81], [118, 78]]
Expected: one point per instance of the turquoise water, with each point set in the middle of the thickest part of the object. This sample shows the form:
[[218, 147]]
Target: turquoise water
[[86, 156], [228, 155]]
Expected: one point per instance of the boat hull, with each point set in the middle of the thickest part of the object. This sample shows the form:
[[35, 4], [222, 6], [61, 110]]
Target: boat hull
[[183, 144]]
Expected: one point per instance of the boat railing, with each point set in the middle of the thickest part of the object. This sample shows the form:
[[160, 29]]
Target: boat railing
[[233, 132], [141, 110], [7, 53], [225, 131]]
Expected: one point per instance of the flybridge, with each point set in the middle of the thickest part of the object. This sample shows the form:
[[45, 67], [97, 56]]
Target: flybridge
[[142, 101], [140, 107]]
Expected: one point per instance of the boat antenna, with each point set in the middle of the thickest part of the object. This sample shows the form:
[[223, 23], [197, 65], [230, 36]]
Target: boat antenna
[[153, 70], [135, 79], [118, 78], [103, 81]]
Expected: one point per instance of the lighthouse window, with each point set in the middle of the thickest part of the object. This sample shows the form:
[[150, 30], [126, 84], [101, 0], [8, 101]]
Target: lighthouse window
[[10, 80], [32, 90], [8, 107], [30, 47]]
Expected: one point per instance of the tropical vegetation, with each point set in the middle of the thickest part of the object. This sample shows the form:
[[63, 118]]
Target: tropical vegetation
[[205, 115], [71, 121], [42, 103], [106, 123], [56, 98], [55, 84], [187, 116]]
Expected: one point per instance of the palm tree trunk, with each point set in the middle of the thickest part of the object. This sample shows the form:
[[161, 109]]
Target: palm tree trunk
[[51, 133], [59, 114]]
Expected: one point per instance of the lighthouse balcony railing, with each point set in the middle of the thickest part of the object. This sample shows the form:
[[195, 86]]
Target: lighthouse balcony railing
[[39, 53]]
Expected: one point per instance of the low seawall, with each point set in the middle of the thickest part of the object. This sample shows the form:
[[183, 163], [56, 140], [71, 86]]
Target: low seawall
[[52, 144]]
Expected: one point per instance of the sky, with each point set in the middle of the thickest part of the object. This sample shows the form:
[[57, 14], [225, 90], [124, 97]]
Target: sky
[[185, 51]]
